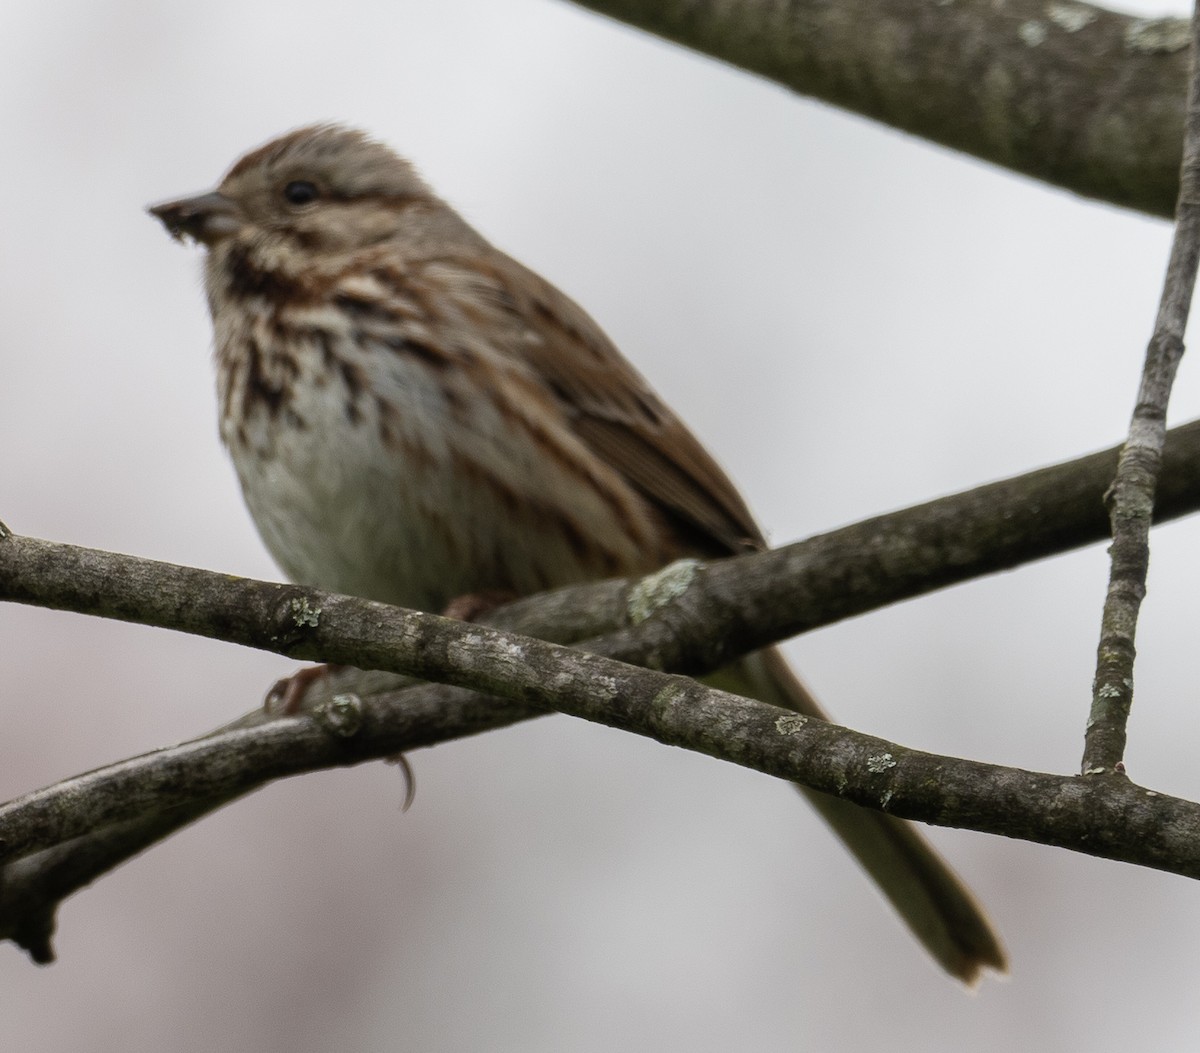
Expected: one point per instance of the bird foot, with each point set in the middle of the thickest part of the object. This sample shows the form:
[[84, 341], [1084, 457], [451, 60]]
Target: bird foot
[[286, 697], [474, 605]]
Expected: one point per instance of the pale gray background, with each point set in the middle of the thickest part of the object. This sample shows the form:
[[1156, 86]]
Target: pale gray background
[[851, 319]]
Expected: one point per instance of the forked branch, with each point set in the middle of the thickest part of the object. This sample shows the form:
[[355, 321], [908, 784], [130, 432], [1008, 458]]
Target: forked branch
[[689, 618]]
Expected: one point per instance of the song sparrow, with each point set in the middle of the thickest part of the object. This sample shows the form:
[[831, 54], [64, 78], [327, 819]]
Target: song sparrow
[[415, 416]]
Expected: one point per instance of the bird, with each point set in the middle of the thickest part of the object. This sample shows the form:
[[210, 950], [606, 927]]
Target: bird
[[415, 417]]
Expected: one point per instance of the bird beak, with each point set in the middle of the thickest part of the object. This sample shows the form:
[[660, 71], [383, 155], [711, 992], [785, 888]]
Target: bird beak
[[205, 218]]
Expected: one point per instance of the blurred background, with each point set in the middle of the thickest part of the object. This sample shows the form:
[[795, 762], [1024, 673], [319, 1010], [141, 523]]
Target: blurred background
[[852, 320]]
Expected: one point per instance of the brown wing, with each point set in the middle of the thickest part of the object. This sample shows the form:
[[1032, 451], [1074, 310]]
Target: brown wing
[[617, 414]]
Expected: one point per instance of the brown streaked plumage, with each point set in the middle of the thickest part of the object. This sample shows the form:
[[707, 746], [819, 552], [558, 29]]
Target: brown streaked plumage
[[415, 416]]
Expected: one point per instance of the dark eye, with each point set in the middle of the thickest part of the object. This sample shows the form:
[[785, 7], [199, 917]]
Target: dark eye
[[300, 192]]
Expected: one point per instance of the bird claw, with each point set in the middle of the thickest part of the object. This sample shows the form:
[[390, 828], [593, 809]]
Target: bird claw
[[410, 778], [472, 606], [286, 697]]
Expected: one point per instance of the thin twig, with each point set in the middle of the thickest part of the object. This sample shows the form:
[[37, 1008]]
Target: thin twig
[[1131, 498]]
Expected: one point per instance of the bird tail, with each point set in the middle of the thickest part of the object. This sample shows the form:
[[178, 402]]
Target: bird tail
[[933, 901]]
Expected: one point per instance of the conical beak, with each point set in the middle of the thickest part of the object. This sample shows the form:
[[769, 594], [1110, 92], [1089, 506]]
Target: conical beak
[[206, 218]]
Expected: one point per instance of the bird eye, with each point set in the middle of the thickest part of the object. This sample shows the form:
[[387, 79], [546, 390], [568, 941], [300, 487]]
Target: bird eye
[[300, 192]]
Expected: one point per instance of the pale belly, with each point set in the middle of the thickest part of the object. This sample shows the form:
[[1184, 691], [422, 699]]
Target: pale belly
[[416, 499]]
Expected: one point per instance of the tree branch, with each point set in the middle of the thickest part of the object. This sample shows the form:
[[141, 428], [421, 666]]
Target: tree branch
[[735, 606], [1131, 498], [57, 840], [1069, 93]]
